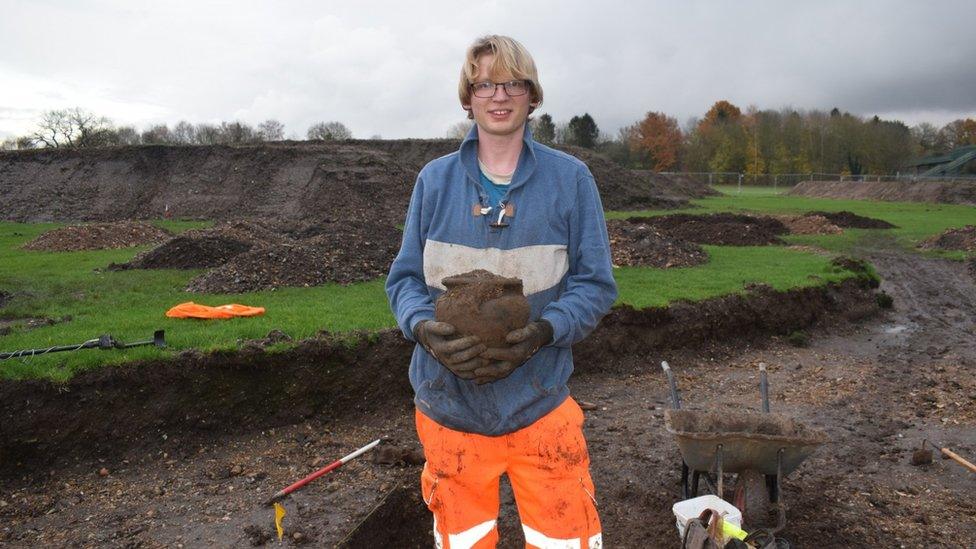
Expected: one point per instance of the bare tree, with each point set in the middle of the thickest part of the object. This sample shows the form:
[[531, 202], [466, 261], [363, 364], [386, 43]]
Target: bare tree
[[158, 134], [184, 132], [72, 128], [237, 132], [329, 131], [26, 142], [206, 134], [460, 130], [271, 130]]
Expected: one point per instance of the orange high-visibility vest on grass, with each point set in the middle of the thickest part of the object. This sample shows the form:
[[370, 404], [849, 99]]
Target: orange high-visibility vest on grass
[[195, 310]]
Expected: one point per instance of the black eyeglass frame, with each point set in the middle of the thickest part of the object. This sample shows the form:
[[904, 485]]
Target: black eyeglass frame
[[494, 86]]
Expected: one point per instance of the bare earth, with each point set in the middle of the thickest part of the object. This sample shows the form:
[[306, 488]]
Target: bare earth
[[877, 387]]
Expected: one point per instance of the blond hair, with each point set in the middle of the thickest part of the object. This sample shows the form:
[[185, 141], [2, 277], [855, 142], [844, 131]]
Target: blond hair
[[512, 60]]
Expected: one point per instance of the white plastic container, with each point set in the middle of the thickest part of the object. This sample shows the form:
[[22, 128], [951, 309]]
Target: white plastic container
[[692, 508]]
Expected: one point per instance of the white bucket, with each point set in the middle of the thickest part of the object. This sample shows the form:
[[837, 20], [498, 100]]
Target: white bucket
[[692, 508]]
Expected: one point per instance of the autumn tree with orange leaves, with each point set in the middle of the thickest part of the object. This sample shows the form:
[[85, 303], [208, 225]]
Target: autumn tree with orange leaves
[[656, 140]]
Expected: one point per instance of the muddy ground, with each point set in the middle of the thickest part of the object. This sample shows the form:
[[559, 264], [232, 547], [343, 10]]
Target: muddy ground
[[183, 453]]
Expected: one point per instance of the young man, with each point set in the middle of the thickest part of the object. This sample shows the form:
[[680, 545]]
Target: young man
[[511, 206]]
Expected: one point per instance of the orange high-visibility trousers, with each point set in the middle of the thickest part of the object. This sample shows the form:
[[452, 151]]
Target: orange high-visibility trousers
[[547, 464]]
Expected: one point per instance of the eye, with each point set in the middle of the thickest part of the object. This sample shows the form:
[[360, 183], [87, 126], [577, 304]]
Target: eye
[[482, 85], [516, 84]]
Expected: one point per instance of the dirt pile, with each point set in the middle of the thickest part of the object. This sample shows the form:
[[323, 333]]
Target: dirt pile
[[303, 181], [624, 189], [953, 239], [680, 186], [850, 220], [203, 248], [343, 252], [634, 244], [946, 192], [254, 255], [809, 224], [310, 181], [723, 229], [98, 236]]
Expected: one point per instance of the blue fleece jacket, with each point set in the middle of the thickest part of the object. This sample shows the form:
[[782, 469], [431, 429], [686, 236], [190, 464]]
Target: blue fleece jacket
[[556, 242]]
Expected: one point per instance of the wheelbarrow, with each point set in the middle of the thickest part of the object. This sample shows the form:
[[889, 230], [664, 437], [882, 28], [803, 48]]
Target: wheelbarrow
[[750, 444]]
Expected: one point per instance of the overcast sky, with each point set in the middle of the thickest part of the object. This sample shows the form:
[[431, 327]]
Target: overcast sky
[[391, 68]]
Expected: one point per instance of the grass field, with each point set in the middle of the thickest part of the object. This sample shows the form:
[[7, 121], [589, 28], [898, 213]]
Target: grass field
[[130, 305]]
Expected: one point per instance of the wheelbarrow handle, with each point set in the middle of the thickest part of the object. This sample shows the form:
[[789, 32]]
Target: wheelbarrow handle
[[675, 398], [764, 387]]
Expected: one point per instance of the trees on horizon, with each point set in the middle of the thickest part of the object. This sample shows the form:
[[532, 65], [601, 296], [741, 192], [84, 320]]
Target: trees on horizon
[[725, 139]]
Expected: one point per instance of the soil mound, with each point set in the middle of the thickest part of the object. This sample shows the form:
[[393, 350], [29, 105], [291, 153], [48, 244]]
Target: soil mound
[[634, 244], [98, 236], [809, 224], [850, 220], [306, 181], [946, 192], [624, 189], [953, 239], [343, 252], [679, 186], [723, 229], [762, 310], [203, 248]]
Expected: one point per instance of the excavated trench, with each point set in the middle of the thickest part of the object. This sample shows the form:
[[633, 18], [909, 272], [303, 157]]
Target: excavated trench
[[111, 410], [171, 411]]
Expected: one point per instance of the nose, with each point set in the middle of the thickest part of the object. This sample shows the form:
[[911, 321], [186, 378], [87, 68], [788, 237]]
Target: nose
[[500, 87]]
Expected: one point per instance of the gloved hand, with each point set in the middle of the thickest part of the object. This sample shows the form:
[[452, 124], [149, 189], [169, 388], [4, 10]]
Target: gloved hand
[[459, 354], [525, 342]]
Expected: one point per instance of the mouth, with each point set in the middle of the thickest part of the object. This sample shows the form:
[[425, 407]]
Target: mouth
[[500, 113]]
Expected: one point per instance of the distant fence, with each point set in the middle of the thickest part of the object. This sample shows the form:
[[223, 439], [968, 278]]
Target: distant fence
[[791, 179]]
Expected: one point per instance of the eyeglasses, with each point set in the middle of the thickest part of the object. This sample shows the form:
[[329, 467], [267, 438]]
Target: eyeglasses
[[513, 88]]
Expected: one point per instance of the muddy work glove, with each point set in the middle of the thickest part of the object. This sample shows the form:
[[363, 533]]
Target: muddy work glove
[[524, 342], [457, 354]]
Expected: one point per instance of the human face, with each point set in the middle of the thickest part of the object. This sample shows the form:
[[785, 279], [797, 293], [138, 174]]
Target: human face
[[500, 114]]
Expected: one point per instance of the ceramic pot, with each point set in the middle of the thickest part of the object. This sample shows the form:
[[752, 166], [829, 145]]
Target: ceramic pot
[[483, 304]]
